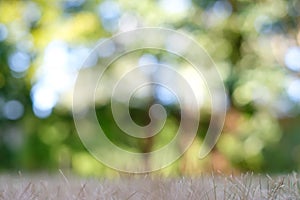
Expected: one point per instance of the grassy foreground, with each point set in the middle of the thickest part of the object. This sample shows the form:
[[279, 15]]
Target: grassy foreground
[[210, 187]]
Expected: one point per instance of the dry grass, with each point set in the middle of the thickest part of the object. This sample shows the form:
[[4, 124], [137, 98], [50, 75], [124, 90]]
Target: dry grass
[[208, 187]]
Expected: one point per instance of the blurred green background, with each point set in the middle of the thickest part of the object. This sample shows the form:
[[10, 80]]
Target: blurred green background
[[255, 44]]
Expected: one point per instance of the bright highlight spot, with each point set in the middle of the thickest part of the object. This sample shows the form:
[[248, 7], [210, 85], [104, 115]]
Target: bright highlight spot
[[292, 58], [222, 9], [109, 12], [44, 98], [55, 76], [175, 6], [165, 96], [128, 22], [148, 59], [13, 110], [19, 61], [294, 90]]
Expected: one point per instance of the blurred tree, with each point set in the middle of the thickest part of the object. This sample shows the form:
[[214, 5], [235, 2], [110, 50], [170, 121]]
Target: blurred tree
[[255, 45]]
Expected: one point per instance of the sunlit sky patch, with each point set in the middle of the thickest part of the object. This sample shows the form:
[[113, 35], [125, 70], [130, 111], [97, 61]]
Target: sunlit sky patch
[[292, 58], [13, 110], [44, 97], [55, 76], [19, 61], [128, 22], [109, 12], [294, 90], [175, 6], [148, 59], [164, 95]]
